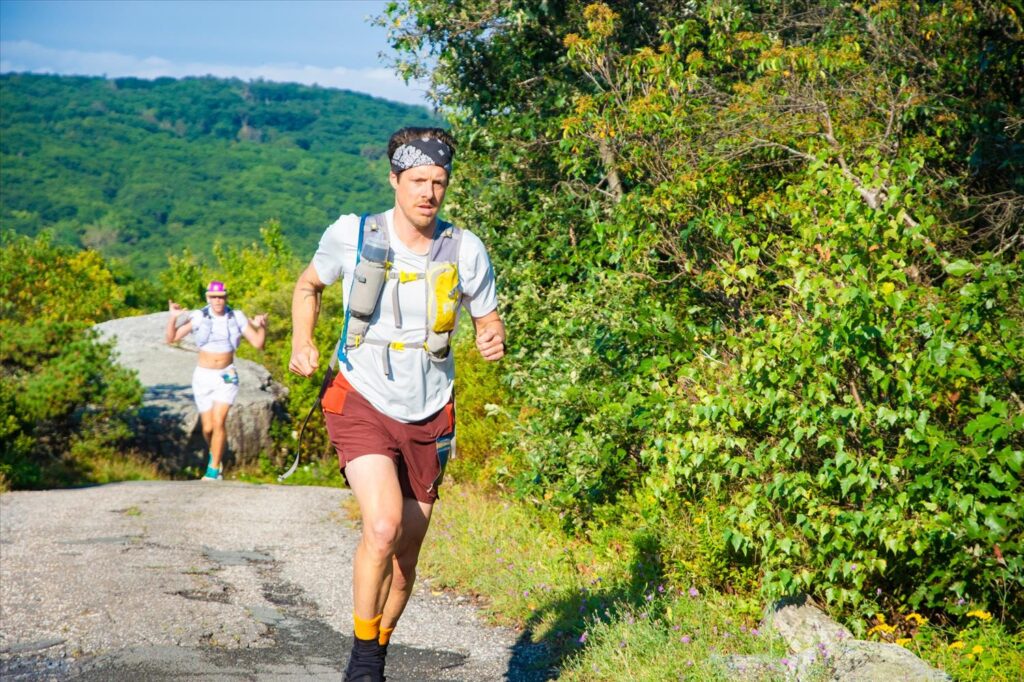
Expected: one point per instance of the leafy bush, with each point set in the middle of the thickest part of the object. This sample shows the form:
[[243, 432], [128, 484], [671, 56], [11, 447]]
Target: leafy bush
[[763, 257], [63, 403]]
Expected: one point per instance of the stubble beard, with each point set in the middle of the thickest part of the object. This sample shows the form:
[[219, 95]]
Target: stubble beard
[[420, 221]]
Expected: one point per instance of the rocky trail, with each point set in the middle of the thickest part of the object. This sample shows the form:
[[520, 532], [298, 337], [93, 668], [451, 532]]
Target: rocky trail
[[163, 580]]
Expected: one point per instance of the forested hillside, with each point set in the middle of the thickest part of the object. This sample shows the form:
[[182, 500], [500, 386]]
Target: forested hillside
[[138, 169]]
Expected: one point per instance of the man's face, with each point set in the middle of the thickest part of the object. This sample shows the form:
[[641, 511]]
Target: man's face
[[217, 302], [419, 193]]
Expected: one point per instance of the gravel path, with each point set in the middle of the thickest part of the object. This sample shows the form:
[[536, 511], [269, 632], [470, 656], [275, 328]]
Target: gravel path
[[163, 580]]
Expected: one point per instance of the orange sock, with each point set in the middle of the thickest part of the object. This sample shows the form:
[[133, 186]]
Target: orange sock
[[385, 636], [367, 629]]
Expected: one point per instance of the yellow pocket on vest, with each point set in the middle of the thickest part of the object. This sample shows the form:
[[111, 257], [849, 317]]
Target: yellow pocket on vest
[[442, 295]]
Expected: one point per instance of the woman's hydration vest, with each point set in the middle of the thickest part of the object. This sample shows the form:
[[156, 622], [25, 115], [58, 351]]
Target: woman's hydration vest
[[443, 291], [201, 334]]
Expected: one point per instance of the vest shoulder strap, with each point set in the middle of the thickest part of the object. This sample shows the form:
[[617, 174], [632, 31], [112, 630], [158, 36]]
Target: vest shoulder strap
[[372, 223], [445, 246]]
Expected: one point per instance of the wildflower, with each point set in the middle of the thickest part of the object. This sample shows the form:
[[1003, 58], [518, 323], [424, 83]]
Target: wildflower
[[755, 632], [977, 649], [956, 645], [583, 637], [903, 641], [961, 601], [979, 614], [916, 618], [685, 639], [882, 628], [970, 657], [694, 593]]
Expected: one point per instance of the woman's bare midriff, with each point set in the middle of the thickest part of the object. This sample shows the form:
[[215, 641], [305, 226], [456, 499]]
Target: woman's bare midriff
[[210, 360]]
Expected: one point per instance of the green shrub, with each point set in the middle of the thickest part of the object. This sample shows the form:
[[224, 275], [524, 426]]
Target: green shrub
[[64, 404], [762, 263]]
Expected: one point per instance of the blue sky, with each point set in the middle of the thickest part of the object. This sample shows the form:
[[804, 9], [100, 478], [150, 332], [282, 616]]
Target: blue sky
[[327, 42]]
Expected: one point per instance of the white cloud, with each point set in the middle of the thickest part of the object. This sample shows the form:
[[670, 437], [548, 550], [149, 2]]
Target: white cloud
[[26, 56]]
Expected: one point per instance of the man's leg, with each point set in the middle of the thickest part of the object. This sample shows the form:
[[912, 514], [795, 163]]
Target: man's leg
[[374, 481], [415, 521]]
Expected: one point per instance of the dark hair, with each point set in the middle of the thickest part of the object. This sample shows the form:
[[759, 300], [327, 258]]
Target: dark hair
[[409, 134]]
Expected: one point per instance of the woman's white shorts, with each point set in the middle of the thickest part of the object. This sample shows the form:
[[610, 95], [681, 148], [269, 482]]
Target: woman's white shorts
[[214, 386]]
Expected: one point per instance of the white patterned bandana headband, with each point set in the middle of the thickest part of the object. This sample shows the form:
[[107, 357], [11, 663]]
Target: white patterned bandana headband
[[422, 153]]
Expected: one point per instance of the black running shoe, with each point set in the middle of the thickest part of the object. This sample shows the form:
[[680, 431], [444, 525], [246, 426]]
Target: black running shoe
[[366, 662]]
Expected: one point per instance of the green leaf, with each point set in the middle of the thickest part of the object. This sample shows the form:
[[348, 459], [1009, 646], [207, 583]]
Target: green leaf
[[959, 268]]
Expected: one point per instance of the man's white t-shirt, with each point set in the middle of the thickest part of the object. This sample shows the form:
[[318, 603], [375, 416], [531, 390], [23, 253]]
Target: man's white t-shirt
[[417, 386], [220, 340]]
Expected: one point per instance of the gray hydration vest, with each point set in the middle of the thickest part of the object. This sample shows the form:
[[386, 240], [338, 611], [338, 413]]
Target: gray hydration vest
[[201, 334], [443, 293]]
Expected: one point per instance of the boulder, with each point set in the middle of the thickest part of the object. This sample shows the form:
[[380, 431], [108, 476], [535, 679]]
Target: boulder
[[168, 427], [802, 625], [822, 649], [860, 661]]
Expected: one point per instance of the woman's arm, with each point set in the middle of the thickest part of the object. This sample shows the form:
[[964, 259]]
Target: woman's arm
[[174, 334]]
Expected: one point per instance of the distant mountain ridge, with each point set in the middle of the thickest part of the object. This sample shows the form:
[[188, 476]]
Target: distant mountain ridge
[[139, 169]]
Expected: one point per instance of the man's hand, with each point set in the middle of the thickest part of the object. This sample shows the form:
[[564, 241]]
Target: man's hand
[[490, 336], [259, 321], [174, 308], [305, 360]]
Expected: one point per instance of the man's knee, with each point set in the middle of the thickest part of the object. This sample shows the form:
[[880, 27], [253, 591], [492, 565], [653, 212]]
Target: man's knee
[[381, 536]]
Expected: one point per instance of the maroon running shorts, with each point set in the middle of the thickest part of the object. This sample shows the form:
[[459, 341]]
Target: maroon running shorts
[[420, 449]]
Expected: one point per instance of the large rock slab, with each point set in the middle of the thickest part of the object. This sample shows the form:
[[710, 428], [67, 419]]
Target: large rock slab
[[168, 428]]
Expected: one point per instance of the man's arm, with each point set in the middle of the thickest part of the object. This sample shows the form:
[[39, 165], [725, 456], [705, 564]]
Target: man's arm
[[174, 334], [490, 336], [305, 310], [255, 331]]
